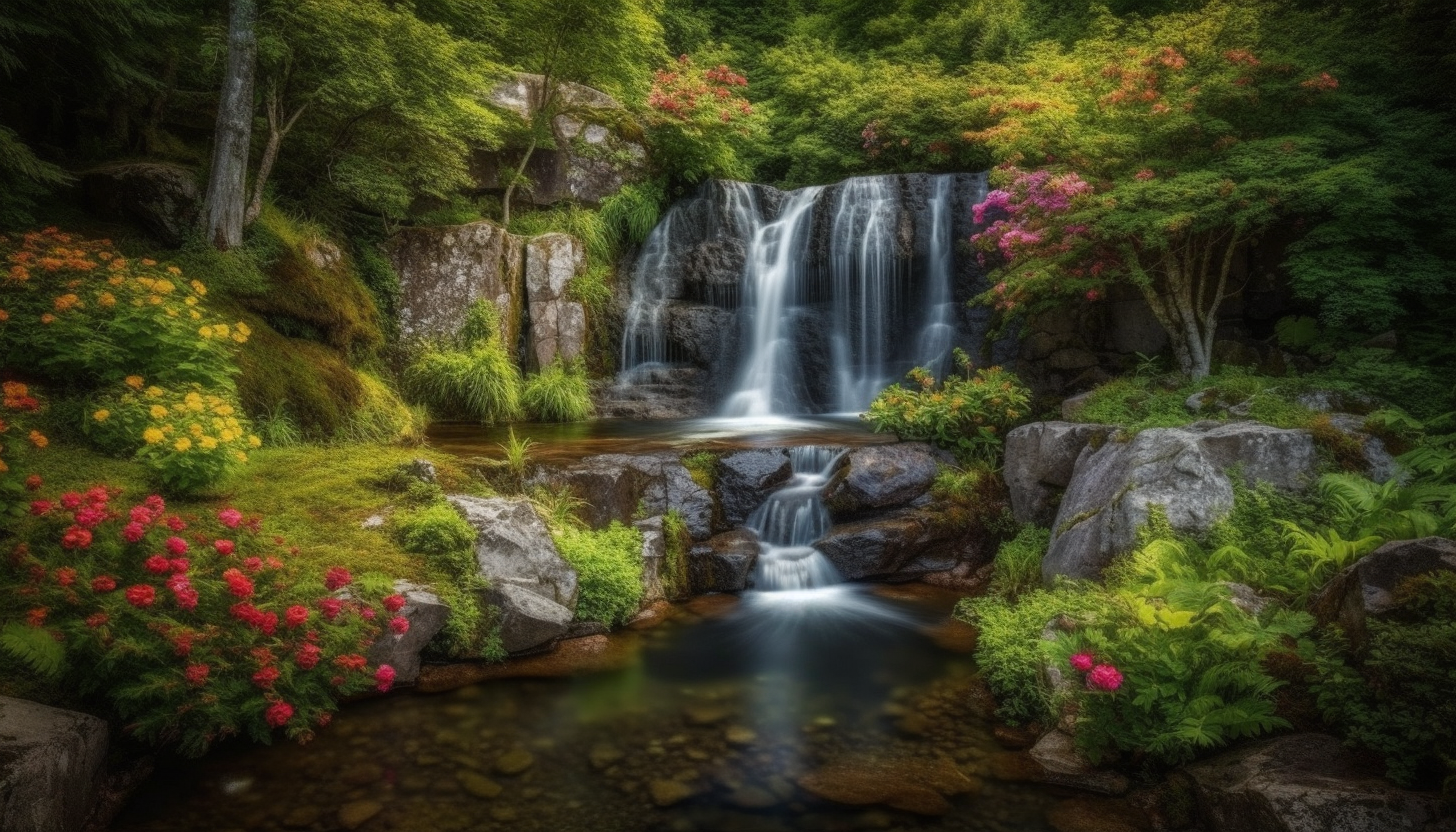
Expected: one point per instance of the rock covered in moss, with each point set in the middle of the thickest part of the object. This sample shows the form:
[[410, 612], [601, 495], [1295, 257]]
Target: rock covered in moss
[[1368, 588]]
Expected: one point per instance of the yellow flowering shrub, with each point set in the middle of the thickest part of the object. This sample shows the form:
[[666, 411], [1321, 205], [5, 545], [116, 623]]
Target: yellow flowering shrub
[[190, 437], [81, 314]]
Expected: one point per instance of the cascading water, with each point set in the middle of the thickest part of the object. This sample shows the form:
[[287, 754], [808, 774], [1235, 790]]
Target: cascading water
[[835, 292], [791, 520]]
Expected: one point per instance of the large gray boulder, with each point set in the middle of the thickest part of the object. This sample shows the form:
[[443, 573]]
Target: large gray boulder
[[618, 486], [528, 620], [1061, 764], [1368, 588], [165, 199], [558, 324], [442, 271], [900, 545], [883, 476], [654, 558], [51, 765], [1308, 783], [426, 615], [723, 563], [746, 478], [1183, 470], [1040, 459]]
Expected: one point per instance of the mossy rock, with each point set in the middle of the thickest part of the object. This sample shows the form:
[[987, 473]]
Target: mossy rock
[[311, 382]]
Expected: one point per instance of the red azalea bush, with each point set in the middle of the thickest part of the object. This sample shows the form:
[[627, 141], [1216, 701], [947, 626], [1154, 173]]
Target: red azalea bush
[[194, 628]]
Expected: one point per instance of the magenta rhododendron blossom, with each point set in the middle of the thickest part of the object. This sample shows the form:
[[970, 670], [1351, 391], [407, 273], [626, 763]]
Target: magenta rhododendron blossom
[[1104, 677], [1081, 662]]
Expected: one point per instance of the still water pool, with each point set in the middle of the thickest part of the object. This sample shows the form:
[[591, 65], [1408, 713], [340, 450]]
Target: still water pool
[[733, 714]]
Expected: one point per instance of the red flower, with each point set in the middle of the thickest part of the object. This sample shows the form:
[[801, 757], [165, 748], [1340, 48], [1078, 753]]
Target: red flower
[[337, 577], [1081, 662], [399, 624], [181, 565], [238, 583], [367, 613], [253, 564], [223, 547], [385, 677], [142, 515], [1104, 677], [266, 677], [331, 607], [182, 643], [393, 603], [36, 617], [33, 482], [141, 595], [230, 517], [97, 619], [98, 495], [65, 576], [90, 516], [40, 507], [103, 583], [176, 545], [273, 563], [156, 504], [296, 615], [187, 598], [76, 538], [351, 661], [278, 714], [197, 674], [133, 532], [70, 501], [176, 523], [157, 565], [308, 656]]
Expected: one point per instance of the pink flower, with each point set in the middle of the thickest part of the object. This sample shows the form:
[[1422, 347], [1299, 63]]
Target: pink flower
[[90, 516], [252, 564], [141, 515], [176, 523], [157, 565], [133, 532], [399, 624], [223, 547], [230, 517], [278, 714], [266, 677], [1093, 295], [393, 603], [141, 595], [1081, 662], [385, 677], [176, 545], [181, 565], [1104, 677], [337, 577]]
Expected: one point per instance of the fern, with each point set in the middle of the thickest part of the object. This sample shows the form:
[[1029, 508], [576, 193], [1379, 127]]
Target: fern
[[36, 648]]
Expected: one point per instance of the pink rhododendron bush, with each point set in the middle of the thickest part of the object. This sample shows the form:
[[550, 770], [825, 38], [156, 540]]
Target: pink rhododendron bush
[[194, 628]]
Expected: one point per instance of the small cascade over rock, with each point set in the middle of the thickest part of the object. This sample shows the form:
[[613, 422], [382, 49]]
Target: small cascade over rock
[[791, 520], [807, 301]]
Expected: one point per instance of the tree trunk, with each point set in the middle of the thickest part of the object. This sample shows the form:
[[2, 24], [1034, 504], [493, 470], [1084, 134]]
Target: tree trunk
[[515, 178], [227, 184], [1185, 287], [277, 130]]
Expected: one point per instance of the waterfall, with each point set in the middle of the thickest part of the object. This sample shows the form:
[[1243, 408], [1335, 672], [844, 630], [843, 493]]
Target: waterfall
[[820, 297], [791, 520]]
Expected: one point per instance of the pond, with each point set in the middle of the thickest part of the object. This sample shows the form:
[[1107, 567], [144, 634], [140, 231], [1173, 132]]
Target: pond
[[731, 714]]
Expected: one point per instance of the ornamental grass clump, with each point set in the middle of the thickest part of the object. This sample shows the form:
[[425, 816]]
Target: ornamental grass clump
[[559, 393], [193, 628], [470, 376]]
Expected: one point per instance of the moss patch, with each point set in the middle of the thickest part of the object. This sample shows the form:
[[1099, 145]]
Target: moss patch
[[309, 381]]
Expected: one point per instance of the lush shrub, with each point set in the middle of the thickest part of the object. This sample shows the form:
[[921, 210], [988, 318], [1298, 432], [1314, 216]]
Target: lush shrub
[[84, 316], [438, 532], [382, 417], [1017, 568], [968, 415], [1397, 700], [633, 212], [559, 393], [19, 442], [470, 377], [187, 437], [609, 566], [195, 628]]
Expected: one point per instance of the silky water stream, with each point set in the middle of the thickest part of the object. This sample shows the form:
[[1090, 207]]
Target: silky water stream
[[736, 713]]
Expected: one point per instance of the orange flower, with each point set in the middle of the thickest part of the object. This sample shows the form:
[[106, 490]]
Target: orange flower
[[38, 439], [67, 301], [19, 273], [135, 382], [47, 318], [4, 316]]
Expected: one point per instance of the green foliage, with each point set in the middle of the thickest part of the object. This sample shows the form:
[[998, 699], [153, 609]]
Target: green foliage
[[1152, 400], [703, 468], [517, 456], [1297, 332], [1393, 700], [631, 213], [381, 417], [1389, 511], [609, 565], [34, 647], [561, 508], [967, 415], [277, 428], [437, 531], [472, 377], [559, 393], [678, 540], [1018, 562]]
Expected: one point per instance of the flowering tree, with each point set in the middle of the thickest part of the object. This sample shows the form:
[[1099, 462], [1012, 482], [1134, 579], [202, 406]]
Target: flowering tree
[[698, 116], [1147, 157]]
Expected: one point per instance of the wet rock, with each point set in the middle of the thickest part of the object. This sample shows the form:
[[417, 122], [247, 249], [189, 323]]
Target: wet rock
[[1184, 470], [670, 792], [1307, 783], [557, 323], [900, 545], [1040, 459], [651, 615], [51, 766], [164, 199], [426, 615], [616, 486], [1062, 765], [883, 476], [356, 814], [746, 478], [1017, 737], [513, 547], [723, 563], [911, 785], [654, 556], [1092, 815], [515, 761], [444, 270], [1369, 588], [528, 620], [478, 785]]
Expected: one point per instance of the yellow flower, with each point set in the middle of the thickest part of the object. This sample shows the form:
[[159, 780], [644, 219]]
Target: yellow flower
[[171, 313], [227, 435], [182, 444], [190, 301], [242, 457], [152, 436], [255, 442], [136, 382], [225, 410], [118, 280], [106, 299], [198, 287], [158, 412], [205, 332], [101, 415], [163, 287], [146, 261], [154, 392], [38, 439], [220, 330], [207, 443], [245, 329], [155, 300], [175, 272], [240, 338], [196, 316], [194, 429]]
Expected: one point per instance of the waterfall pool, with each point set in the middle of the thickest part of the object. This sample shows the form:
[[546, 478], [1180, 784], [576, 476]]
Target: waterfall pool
[[730, 715]]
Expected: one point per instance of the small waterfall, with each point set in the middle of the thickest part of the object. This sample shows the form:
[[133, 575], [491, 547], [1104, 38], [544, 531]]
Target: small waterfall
[[866, 273], [791, 520], [936, 337]]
